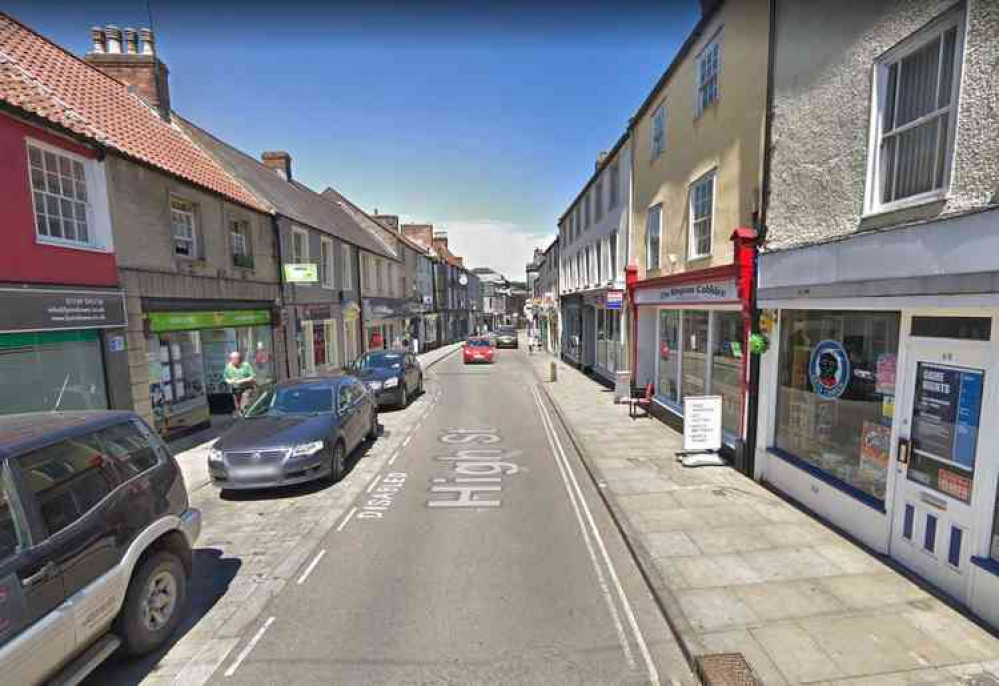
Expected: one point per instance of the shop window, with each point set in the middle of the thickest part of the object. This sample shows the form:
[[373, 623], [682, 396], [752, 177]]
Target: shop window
[[694, 372], [58, 370], [177, 384], [318, 346], [726, 367], [916, 103], [836, 393], [59, 191], [669, 355], [653, 226], [702, 200], [602, 338], [242, 253], [184, 226]]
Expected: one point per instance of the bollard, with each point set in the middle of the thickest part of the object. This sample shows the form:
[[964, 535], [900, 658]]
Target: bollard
[[553, 372]]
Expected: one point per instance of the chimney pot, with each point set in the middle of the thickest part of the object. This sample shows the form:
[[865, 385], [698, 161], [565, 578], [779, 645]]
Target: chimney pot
[[97, 35], [146, 37], [279, 161], [131, 42], [113, 34]]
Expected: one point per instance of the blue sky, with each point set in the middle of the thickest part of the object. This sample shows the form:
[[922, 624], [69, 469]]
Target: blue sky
[[482, 118]]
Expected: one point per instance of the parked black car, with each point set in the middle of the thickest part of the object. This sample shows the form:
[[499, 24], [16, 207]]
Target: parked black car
[[297, 431], [96, 537], [395, 377], [506, 337]]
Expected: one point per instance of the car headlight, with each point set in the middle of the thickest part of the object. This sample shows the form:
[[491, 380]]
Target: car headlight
[[374, 385], [391, 383], [215, 456], [307, 448]]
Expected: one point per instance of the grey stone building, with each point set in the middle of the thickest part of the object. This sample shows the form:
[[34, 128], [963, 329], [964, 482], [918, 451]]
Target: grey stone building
[[879, 281]]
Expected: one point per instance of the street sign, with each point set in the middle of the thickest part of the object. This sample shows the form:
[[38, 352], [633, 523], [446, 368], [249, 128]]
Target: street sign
[[702, 422], [614, 300], [301, 273]]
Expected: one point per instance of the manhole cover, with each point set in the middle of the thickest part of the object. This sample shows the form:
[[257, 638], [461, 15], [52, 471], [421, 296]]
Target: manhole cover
[[725, 669]]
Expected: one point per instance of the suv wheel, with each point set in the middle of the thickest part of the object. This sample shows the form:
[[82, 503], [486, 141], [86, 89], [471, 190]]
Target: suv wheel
[[154, 603]]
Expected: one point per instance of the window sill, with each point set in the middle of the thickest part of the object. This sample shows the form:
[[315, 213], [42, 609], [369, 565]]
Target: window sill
[[57, 243], [829, 479], [986, 563], [916, 201], [698, 258]]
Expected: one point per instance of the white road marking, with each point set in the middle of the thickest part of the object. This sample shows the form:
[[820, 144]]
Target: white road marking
[[406, 440], [392, 459], [312, 565], [346, 519], [249, 646], [374, 482], [643, 647]]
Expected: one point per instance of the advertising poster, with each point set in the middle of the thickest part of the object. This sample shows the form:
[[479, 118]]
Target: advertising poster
[[875, 443], [885, 374]]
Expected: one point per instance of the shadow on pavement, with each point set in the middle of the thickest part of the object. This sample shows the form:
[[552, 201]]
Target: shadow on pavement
[[211, 578]]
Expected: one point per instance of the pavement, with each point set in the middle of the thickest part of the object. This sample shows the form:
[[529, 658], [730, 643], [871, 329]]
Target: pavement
[[465, 546], [737, 569]]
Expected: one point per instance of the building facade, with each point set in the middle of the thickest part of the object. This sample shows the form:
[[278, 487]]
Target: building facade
[[545, 299], [697, 149], [593, 239], [879, 283]]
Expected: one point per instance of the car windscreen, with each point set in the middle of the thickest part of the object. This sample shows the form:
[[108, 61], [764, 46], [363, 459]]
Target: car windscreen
[[478, 343], [293, 400], [381, 361]]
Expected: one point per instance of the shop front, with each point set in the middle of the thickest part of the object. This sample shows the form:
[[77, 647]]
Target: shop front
[[187, 352], [62, 349], [691, 341], [878, 400], [572, 331], [385, 323], [321, 338], [603, 342]]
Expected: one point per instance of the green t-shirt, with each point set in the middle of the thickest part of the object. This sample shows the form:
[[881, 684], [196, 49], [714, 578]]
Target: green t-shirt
[[233, 374]]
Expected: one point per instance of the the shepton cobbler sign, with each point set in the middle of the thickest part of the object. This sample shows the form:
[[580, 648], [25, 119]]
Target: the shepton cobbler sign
[[701, 293], [26, 309]]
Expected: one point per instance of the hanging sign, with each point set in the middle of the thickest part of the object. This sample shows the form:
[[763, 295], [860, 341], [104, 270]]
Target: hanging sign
[[614, 300], [702, 423], [829, 369], [301, 273]]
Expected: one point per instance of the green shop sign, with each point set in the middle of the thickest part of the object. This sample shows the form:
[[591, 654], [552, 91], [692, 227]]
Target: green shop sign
[[301, 273], [187, 321]]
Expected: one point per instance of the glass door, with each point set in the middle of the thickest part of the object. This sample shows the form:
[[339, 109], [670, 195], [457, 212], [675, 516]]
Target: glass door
[[936, 459]]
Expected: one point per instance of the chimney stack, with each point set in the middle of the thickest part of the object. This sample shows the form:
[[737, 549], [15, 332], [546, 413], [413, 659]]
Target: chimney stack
[[279, 161], [389, 221], [601, 158], [133, 66]]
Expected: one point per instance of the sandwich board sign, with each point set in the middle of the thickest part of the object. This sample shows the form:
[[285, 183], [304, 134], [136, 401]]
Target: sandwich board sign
[[702, 423]]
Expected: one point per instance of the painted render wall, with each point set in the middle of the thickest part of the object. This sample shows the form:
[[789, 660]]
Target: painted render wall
[[727, 136], [822, 112]]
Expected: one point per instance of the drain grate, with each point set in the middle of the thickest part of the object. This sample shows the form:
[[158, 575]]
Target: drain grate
[[725, 669]]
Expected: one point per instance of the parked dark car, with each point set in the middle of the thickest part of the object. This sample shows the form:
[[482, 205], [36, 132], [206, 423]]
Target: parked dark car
[[506, 337], [96, 538], [297, 431], [395, 377]]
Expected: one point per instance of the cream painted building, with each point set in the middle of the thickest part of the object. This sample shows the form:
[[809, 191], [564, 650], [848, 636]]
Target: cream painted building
[[697, 151]]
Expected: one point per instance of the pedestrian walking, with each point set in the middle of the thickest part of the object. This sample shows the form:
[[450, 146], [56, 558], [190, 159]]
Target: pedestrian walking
[[241, 378]]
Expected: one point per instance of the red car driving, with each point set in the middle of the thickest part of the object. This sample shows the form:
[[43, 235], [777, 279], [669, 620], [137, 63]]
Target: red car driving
[[478, 350]]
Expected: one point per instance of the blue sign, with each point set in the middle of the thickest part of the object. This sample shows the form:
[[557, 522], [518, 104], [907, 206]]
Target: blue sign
[[614, 300], [969, 402], [829, 369]]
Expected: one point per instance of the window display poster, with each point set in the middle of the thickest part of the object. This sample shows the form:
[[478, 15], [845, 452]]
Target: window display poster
[[885, 374], [875, 442], [945, 413]]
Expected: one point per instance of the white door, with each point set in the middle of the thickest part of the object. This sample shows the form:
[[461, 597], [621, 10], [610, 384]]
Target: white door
[[944, 397]]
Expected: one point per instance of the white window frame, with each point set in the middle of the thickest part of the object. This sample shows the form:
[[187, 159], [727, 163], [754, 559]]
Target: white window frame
[[96, 213], [303, 258], [615, 186], [692, 253], [648, 238], [191, 212], [658, 131], [237, 226], [612, 255], [326, 279], [348, 279], [599, 261], [598, 200], [715, 45], [873, 204]]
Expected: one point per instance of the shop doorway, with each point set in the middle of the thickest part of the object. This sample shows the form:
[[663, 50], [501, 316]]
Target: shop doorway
[[944, 395]]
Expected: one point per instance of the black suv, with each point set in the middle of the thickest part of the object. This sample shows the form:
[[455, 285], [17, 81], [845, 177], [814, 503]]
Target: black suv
[[96, 538]]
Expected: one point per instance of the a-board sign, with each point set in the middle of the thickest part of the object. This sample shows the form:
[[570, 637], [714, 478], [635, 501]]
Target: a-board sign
[[702, 422]]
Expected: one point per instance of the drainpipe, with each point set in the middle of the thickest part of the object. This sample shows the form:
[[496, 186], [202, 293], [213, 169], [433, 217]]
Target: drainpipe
[[630, 281], [281, 299]]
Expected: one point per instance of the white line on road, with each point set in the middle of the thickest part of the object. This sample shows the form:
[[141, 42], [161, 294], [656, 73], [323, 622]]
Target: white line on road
[[346, 519], [374, 482], [249, 646], [640, 639], [392, 459], [406, 441], [312, 565]]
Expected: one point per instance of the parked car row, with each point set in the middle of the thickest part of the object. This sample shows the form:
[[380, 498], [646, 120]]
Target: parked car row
[[96, 530]]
